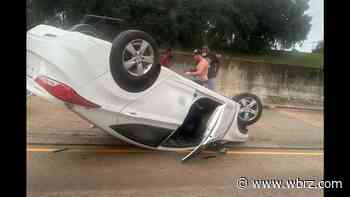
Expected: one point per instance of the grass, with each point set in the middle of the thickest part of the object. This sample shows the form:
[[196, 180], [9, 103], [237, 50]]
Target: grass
[[310, 60]]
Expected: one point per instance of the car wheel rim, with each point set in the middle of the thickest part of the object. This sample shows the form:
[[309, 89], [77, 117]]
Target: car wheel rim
[[138, 57], [249, 109]]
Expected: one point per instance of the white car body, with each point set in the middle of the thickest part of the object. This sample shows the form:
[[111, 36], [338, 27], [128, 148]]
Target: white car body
[[82, 62]]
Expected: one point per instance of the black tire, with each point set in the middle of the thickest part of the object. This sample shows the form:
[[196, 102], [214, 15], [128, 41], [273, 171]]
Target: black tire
[[120, 74], [243, 123], [86, 29]]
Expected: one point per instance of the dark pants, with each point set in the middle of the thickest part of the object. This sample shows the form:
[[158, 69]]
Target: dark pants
[[202, 83]]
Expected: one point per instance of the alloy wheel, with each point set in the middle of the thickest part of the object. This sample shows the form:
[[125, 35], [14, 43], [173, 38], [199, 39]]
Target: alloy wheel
[[138, 57]]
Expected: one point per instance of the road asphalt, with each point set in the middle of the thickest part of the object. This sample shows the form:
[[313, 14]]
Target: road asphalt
[[104, 172]]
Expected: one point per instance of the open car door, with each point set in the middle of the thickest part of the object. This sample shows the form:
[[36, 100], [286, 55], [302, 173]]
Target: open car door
[[217, 126]]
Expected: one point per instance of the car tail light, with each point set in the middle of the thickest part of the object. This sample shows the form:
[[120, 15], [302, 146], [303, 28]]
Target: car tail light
[[63, 92]]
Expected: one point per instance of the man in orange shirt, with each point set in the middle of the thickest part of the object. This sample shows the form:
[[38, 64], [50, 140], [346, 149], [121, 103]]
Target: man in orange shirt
[[201, 71]]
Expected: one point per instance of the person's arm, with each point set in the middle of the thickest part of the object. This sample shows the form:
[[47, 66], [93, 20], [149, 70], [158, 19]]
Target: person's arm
[[200, 69]]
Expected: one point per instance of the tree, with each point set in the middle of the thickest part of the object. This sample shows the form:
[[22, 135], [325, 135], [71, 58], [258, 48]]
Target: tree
[[243, 25], [319, 47]]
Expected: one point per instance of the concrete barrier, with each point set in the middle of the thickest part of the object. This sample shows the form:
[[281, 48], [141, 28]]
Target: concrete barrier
[[273, 83]]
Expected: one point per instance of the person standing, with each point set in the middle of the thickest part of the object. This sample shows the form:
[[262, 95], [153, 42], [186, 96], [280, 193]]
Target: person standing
[[165, 59], [214, 64], [201, 71], [205, 52], [213, 70]]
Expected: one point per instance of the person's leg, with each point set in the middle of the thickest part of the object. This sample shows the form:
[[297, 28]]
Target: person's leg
[[211, 84]]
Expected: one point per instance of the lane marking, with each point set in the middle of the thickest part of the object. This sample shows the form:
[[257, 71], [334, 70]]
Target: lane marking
[[41, 149], [230, 152], [275, 153]]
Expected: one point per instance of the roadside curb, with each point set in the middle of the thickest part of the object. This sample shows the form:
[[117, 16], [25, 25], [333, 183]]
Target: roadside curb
[[269, 106]]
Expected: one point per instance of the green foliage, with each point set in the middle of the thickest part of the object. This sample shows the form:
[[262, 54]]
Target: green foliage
[[257, 25], [310, 60]]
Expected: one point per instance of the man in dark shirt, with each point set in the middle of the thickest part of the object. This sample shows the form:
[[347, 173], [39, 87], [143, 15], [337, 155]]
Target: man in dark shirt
[[213, 70]]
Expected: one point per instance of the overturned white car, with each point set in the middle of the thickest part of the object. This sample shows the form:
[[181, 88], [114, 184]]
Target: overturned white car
[[121, 88]]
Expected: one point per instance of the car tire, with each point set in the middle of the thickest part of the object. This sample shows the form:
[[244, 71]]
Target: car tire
[[86, 29], [129, 67], [245, 116]]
